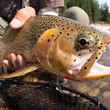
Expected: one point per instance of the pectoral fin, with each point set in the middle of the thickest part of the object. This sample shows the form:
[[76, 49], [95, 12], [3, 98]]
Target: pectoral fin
[[19, 73]]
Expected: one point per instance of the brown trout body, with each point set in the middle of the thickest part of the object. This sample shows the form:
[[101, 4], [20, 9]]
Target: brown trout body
[[57, 44]]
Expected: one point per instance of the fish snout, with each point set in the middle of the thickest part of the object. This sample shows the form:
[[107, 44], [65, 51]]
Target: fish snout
[[77, 63]]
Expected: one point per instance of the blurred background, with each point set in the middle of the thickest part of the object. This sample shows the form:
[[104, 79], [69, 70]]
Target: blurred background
[[98, 10]]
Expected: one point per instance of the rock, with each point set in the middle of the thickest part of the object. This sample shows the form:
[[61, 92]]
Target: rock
[[78, 14]]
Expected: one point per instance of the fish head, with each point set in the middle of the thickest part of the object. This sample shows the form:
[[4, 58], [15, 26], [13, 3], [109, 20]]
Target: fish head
[[75, 46], [68, 50]]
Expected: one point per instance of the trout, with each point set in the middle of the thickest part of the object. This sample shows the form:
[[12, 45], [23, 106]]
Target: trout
[[59, 45]]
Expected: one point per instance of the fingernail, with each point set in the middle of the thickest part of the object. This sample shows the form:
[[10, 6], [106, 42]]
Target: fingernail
[[21, 17], [16, 23], [5, 62]]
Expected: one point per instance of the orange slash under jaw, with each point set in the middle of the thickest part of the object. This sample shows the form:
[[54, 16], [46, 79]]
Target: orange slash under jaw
[[98, 71]]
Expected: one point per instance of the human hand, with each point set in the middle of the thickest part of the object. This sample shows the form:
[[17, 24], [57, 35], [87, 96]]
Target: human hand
[[13, 60]]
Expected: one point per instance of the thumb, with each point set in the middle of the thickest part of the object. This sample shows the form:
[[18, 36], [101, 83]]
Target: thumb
[[21, 17]]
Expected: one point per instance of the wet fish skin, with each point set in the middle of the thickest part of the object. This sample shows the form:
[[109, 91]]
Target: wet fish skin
[[72, 38]]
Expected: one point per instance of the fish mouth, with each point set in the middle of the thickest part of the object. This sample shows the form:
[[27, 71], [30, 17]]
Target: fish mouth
[[81, 59], [77, 65], [97, 71], [73, 72]]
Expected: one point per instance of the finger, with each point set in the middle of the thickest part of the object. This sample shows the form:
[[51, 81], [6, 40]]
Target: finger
[[12, 58], [21, 17], [16, 23], [4, 67], [20, 61], [5, 61]]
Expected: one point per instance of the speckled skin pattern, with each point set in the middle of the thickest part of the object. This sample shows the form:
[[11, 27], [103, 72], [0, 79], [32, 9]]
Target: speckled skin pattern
[[24, 40]]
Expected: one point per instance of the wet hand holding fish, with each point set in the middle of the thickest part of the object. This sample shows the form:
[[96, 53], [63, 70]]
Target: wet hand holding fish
[[59, 45]]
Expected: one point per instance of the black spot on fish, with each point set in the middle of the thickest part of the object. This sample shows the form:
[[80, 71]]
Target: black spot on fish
[[48, 40], [63, 28], [67, 27], [68, 34], [74, 60], [71, 29], [52, 35], [85, 68], [60, 32]]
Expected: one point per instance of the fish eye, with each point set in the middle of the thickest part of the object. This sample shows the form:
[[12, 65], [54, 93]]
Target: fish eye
[[84, 41]]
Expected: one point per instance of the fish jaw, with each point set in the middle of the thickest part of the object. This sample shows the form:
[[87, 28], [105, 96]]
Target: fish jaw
[[58, 55], [93, 70], [80, 61], [98, 71]]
